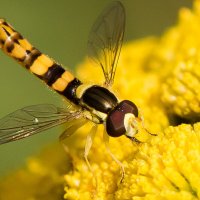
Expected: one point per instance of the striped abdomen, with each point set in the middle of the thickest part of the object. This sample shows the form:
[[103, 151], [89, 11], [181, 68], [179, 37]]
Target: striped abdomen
[[13, 44], [93, 98]]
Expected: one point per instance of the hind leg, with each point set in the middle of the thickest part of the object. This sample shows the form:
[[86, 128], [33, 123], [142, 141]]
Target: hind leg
[[106, 140], [88, 145]]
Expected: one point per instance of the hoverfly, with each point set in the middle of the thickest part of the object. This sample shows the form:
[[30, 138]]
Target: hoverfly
[[88, 102]]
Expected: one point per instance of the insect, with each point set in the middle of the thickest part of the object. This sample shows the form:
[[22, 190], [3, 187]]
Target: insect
[[87, 102]]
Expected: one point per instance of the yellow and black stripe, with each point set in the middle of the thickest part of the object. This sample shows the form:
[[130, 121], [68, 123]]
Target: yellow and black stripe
[[54, 75], [91, 97], [95, 102]]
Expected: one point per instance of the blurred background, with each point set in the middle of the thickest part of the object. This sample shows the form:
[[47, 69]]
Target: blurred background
[[60, 30]]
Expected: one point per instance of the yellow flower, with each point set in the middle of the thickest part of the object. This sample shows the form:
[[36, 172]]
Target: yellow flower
[[181, 57], [161, 76], [42, 178], [165, 167]]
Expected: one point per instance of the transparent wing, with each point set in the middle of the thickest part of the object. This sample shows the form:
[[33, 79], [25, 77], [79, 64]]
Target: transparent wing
[[105, 40], [72, 128], [33, 119]]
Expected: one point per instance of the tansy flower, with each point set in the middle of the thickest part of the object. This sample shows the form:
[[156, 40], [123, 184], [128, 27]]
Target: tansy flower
[[161, 76], [180, 56]]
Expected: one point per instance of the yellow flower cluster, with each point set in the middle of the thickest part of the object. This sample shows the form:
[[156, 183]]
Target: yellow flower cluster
[[160, 75], [165, 167], [180, 55]]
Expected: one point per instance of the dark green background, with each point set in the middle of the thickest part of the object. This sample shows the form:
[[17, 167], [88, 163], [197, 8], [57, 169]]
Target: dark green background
[[60, 30]]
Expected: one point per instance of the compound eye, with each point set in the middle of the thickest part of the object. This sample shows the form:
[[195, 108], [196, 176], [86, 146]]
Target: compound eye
[[115, 120]]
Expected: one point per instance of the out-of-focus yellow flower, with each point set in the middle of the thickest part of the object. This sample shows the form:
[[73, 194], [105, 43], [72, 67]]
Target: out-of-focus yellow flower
[[161, 76], [42, 178], [180, 55]]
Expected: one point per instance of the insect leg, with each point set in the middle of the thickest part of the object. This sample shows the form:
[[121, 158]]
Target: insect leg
[[88, 145], [106, 140]]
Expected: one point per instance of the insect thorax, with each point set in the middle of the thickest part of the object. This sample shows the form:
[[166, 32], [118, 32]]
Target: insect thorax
[[96, 99]]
